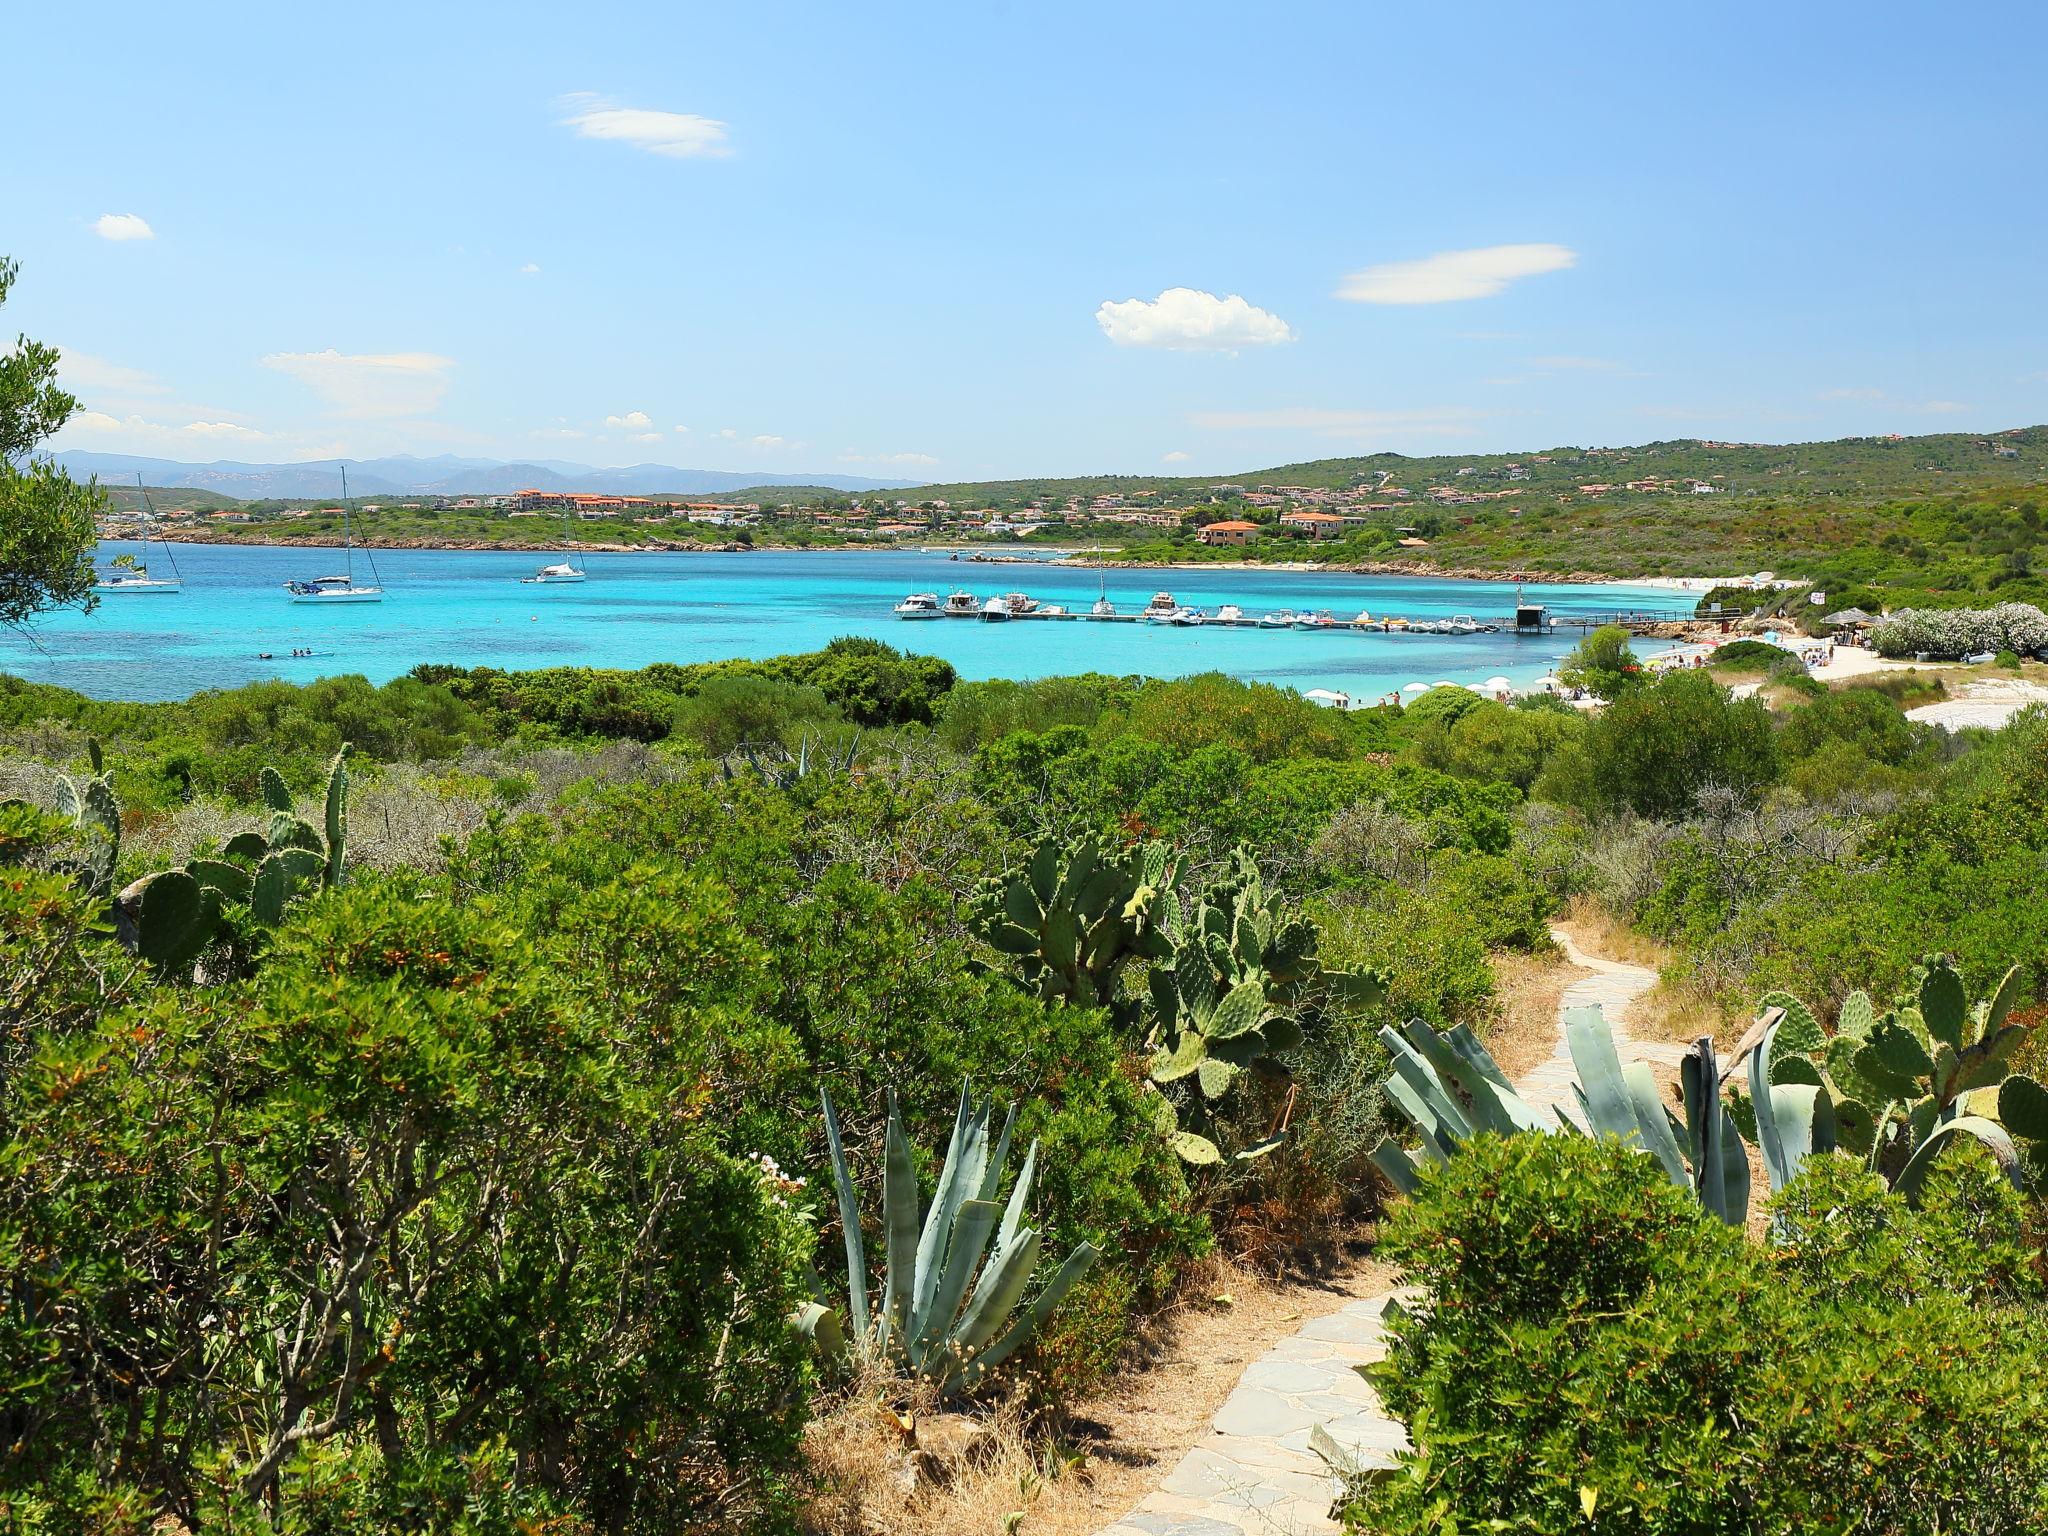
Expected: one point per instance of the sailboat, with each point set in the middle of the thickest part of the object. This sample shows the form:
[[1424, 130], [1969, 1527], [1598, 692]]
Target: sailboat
[[340, 589], [132, 575], [560, 574]]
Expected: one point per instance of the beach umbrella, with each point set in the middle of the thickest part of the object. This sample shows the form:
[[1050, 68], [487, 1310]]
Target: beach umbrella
[[1416, 688], [1496, 684]]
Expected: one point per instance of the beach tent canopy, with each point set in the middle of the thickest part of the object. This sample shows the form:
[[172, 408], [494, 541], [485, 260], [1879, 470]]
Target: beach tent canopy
[[1849, 618], [1328, 698]]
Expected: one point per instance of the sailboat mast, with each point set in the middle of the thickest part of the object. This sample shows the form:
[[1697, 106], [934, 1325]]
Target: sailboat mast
[[348, 547], [149, 521]]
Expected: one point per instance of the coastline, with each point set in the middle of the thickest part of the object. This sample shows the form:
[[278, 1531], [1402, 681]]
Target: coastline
[[973, 554]]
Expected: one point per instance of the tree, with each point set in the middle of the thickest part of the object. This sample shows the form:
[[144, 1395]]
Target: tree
[[1602, 663], [1657, 747], [46, 518]]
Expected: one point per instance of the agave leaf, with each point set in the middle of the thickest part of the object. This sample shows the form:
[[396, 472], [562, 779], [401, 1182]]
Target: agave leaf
[[1020, 1192], [899, 1212], [973, 1224], [1989, 1133], [849, 1221], [1398, 1166], [1025, 1325], [996, 1295]]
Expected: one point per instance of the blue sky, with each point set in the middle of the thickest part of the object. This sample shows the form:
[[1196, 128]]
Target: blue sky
[[959, 241]]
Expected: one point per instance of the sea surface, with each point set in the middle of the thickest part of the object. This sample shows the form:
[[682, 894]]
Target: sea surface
[[469, 608]]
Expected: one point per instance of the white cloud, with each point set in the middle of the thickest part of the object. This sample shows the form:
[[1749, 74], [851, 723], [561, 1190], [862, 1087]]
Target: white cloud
[[645, 437], [1175, 457], [727, 433], [638, 421], [369, 384], [81, 371], [1577, 364], [1452, 275], [560, 432], [678, 135], [1446, 421], [530, 269], [679, 429], [139, 432], [768, 441], [920, 459], [123, 226], [1189, 320]]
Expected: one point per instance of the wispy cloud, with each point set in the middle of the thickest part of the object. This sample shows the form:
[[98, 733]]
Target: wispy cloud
[[81, 372], [1189, 320], [123, 226], [136, 431], [1449, 276], [1175, 457], [636, 421], [676, 135], [1577, 364], [370, 384], [1444, 421], [529, 269]]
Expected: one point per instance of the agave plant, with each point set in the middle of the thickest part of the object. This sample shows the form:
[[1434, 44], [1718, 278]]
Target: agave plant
[[949, 1308], [795, 767], [1893, 1088], [1449, 1088], [1076, 916]]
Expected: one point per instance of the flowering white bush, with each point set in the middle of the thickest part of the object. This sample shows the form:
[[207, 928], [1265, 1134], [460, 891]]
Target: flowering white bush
[[2017, 627]]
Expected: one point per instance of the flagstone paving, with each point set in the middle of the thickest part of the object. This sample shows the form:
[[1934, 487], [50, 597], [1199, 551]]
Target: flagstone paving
[[1254, 1473]]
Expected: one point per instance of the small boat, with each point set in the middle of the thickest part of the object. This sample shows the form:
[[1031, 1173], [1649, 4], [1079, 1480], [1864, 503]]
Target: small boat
[[961, 605], [343, 588], [1398, 626], [1187, 618], [553, 576], [1425, 627], [995, 611], [1320, 619], [1103, 608], [1019, 605], [130, 575], [1367, 621], [1459, 624], [1161, 608], [919, 605], [1282, 618], [1053, 611], [1230, 613]]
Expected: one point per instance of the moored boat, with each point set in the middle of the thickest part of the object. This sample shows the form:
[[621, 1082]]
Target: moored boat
[[1161, 608], [1280, 618], [343, 588], [1230, 613], [995, 611], [961, 605], [563, 573], [130, 575], [919, 605]]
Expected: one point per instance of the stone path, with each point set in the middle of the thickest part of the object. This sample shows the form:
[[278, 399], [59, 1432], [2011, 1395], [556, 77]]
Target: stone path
[[1254, 1474]]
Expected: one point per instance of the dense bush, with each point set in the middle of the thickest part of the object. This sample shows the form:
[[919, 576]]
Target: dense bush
[[1657, 746], [1590, 1351], [1952, 632]]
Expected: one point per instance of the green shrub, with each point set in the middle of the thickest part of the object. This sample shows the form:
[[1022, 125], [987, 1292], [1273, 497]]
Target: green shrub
[[1591, 1351]]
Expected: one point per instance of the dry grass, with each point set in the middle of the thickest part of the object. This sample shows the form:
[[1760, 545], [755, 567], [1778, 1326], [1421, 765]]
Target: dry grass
[[1671, 1010], [1073, 1473], [1523, 1033]]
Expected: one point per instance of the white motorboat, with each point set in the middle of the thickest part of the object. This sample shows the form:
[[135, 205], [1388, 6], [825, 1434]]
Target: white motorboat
[[961, 605], [1459, 624], [1320, 619], [343, 588], [1367, 621], [1280, 618], [1019, 605], [554, 576], [1161, 608], [1187, 618], [995, 611], [919, 605], [1230, 613], [130, 575], [1053, 611]]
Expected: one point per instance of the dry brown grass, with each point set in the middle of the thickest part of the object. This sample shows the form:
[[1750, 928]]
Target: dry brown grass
[[1072, 1473], [1671, 1010], [1523, 1033]]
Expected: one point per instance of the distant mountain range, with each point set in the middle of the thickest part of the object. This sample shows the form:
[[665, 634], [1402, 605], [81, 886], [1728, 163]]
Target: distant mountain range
[[445, 475]]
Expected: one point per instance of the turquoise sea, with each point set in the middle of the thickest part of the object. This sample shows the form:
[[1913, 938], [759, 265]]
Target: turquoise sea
[[470, 609]]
